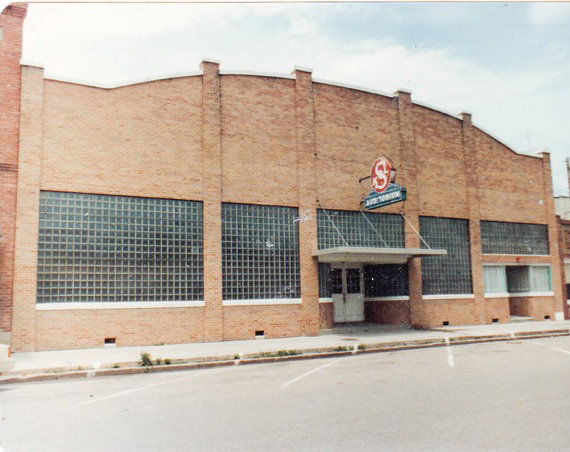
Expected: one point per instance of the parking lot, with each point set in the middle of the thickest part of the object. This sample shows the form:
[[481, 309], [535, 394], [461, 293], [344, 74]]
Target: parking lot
[[495, 396]]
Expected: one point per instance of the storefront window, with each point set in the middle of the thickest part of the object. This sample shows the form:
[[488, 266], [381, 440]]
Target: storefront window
[[97, 248], [516, 279]]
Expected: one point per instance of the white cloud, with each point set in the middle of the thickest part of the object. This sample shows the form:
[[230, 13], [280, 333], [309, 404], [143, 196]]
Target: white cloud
[[549, 13]]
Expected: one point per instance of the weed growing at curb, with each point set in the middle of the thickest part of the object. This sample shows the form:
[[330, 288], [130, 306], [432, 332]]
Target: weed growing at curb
[[342, 348], [158, 361], [361, 347], [146, 360], [280, 353], [167, 362]]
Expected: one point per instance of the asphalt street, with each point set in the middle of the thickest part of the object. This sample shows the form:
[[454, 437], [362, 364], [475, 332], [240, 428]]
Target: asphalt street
[[495, 396]]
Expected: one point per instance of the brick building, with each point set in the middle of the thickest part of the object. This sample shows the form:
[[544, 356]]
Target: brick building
[[221, 205]]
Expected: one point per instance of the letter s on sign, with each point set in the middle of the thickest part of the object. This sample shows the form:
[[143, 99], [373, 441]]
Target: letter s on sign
[[380, 174]]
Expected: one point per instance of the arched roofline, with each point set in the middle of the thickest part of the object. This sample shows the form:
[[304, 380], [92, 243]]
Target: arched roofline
[[176, 75]]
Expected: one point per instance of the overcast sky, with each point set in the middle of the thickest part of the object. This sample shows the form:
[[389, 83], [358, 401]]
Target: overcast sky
[[507, 63]]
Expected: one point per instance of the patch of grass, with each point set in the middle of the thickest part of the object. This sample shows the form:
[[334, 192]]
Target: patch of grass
[[116, 366], [361, 347], [167, 362], [158, 362]]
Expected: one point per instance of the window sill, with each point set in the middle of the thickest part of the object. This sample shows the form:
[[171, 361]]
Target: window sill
[[119, 305], [262, 302], [448, 297], [391, 298]]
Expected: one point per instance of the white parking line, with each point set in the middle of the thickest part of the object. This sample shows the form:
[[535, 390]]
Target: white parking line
[[561, 350], [295, 380], [450, 359], [142, 388]]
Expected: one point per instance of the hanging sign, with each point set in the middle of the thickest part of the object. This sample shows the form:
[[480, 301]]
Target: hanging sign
[[384, 190]]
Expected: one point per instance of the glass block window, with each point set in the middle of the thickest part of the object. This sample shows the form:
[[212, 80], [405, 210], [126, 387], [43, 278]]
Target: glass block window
[[451, 274], [386, 280], [363, 229], [97, 248], [260, 252], [514, 238]]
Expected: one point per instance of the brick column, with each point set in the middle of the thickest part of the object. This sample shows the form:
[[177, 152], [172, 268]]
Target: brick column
[[28, 207], [11, 24], [212, 173], [307, 192], [559, 299], [470, 161], [408, 179]]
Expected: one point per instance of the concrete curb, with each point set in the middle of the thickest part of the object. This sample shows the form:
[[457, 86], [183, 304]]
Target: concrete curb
[[130, 368]]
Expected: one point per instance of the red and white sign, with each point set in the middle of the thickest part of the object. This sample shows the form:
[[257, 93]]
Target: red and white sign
[[381, 174]]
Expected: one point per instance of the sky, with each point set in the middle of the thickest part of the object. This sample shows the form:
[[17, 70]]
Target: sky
[[507, 63]]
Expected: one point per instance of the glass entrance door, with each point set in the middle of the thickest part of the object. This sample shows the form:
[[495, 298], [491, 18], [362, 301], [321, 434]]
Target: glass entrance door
[[347, 293]]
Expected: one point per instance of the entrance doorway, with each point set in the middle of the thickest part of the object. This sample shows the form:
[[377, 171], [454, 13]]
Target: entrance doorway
[[347, 283]]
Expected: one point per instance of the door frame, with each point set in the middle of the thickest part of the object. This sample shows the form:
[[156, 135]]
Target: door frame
[[339, 311]]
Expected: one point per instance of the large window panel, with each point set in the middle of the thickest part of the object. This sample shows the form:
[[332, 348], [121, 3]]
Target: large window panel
[[359, 229], [386, 280], [260, 252], [451, 274], [514, 238], [99, 248], [495, 279]]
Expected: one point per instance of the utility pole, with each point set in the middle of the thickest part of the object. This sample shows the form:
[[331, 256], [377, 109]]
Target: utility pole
[[568, 172]]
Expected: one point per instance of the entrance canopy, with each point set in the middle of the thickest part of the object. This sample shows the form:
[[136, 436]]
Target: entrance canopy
[[373, 255]]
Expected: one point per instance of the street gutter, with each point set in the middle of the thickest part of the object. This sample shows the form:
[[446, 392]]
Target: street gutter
[[129, 368]]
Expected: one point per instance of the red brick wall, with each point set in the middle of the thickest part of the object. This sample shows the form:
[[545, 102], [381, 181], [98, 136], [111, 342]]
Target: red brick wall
[[536, 307], [229, 138], [387, 312], [84, 328], [241, 322], [11, 22]]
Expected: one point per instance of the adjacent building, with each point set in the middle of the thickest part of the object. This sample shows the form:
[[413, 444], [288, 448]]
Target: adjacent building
[[224, 205]]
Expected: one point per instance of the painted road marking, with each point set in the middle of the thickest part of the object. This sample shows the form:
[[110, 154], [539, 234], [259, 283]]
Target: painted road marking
[[295, 380], [561, 350], [141, 388], [450, 359]]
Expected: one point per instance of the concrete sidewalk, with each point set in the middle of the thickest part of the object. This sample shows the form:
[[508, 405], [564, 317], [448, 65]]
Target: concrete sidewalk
[[34, 366]]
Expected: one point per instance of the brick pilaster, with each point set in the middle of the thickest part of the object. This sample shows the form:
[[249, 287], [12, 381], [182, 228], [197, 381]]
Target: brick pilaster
[[212, 173], [559, 298], [408, 178], [472, 179], [307, 191], [28, 207], [11, 24]]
